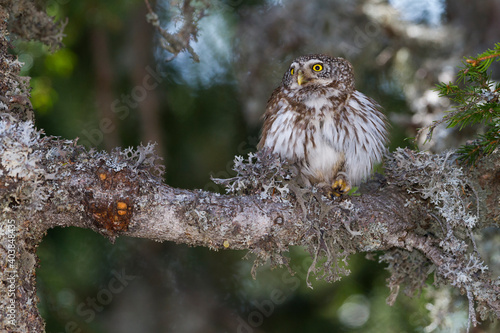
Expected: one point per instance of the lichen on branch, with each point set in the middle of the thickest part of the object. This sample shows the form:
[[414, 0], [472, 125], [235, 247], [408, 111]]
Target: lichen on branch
[[29, 22], [189, 12]]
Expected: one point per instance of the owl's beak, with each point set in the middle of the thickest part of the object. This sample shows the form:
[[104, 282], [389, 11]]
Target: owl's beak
[[301, 78]]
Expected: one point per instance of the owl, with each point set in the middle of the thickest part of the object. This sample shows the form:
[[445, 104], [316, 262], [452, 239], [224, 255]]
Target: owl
[[320, 123]]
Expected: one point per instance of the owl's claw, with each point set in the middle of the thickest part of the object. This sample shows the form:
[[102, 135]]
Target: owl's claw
[[339, 187]]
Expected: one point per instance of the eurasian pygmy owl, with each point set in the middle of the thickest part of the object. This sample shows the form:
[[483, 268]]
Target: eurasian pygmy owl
[[319, 122]]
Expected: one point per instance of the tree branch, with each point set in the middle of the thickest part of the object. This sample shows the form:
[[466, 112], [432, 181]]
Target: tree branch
[[49, 182]]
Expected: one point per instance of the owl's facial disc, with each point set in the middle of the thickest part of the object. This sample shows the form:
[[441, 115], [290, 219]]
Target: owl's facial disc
[[312, 72]]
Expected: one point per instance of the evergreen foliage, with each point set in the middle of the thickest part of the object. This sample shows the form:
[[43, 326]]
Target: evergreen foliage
[[477, 99]]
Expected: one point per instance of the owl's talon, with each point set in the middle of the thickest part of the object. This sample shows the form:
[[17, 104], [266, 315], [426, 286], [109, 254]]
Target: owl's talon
[[339, 187]]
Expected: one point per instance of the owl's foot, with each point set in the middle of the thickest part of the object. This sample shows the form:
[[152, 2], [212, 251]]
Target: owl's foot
[[339, 187]]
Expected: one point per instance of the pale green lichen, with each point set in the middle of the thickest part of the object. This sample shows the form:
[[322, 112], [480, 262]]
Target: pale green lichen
[[19, 157], [261, 174], [441, 181], [270, 178]]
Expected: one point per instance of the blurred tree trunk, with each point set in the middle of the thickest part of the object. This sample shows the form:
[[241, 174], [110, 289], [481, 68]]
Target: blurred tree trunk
[[474, 16], [149, 105], [104, 89]]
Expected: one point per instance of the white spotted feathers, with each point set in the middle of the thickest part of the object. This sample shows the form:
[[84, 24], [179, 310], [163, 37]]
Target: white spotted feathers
[[318, 121]]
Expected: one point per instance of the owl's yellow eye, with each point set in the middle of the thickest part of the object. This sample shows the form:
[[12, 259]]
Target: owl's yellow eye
[[292, 71], [317, 67]]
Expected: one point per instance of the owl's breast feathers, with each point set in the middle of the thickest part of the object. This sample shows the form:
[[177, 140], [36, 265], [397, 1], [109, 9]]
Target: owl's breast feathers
[[325, 131]]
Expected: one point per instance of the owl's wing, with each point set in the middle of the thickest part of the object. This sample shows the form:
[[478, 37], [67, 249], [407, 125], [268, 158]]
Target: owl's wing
[[360, 131], [275, 105]]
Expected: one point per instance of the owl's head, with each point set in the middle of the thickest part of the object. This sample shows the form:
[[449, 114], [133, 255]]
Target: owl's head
[[319, 70]]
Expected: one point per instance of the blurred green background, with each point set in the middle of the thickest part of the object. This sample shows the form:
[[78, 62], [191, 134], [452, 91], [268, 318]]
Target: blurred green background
[[111, 86]]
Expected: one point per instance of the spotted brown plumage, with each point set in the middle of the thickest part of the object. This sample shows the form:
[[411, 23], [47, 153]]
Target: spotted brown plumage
[[317, 120]]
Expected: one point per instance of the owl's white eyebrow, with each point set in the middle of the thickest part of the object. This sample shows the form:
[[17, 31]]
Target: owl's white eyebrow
[[313, 62]]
